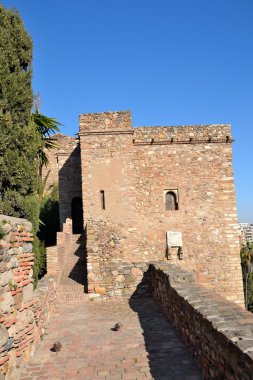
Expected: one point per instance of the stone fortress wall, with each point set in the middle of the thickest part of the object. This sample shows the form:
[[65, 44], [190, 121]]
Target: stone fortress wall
[[123, 174], [132, 169]]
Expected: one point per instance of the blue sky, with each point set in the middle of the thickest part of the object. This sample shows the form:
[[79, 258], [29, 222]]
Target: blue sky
[[170, 62]]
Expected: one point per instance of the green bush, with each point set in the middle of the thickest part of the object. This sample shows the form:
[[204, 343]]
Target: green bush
[[14, 204], [39, 267]]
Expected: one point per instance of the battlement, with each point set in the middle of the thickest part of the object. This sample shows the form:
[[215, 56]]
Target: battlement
[[120, 122], [117, 121], [212, 133]]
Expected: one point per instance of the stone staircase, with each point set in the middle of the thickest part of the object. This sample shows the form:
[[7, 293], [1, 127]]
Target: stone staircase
[[73, 283]]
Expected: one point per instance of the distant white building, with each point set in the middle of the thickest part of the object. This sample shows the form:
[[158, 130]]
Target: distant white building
[[246, 233]]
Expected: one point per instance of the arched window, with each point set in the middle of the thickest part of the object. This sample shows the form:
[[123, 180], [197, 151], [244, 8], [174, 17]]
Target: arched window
[[77, 215], [171, 201]]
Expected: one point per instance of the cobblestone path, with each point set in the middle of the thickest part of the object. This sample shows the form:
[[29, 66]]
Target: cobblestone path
[[146, 347]]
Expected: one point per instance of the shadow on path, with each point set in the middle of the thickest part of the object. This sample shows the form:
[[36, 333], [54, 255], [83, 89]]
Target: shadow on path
[[168, 357]]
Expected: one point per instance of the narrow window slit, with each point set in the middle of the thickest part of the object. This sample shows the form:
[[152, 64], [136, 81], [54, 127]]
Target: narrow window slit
[[102, 199]]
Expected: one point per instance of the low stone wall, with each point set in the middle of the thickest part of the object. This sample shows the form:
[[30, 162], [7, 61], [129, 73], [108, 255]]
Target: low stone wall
[[108, 279], [23, 311], [216, 331]]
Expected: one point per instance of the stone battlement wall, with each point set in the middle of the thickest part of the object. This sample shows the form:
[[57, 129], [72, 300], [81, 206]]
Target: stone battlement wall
[[217, 332], [105, 121], [183, 134], [134, 168], [23, 312]]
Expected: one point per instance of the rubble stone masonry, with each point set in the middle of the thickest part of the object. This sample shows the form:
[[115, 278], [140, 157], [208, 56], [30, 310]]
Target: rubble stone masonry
[[126, 173], [23, 312], [217, 332]]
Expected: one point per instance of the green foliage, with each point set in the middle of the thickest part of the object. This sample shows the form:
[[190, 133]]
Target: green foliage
[[15, 69], [39, 268], [49, 216], [46, 126], [12, 286], [42, 190], [2, 233], [19, 140], [14, 204], [23, 135], [247, 272]]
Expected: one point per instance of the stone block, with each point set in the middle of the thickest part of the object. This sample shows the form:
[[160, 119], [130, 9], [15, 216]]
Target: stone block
[[4, 335], [27, 247], [9, 344], [136, 272], [12, 237], [8, 301], [28, 292], [100, 290], [120, 278], [18, 300]]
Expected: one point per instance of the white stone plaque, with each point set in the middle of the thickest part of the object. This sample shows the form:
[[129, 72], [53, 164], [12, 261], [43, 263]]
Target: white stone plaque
[[174, 239]]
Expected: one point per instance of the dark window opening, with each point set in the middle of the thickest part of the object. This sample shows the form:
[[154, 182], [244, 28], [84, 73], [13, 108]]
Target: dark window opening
[[102, 199], [171, 201], [77, 215]]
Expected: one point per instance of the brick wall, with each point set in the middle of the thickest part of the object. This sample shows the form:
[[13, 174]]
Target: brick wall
[[56, 255], [216, 331], [23, 312], [135, 167]]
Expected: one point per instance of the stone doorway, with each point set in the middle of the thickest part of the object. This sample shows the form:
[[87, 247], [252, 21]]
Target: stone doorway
[[77, 215]]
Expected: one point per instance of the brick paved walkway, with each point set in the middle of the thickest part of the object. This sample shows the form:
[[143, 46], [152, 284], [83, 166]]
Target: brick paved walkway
[[145, 348]]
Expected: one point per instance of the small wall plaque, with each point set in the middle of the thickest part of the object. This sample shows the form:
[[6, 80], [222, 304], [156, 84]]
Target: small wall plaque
[[174, 239]]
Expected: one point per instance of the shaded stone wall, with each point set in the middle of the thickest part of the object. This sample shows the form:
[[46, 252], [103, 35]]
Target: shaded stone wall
[[70, 185], [64, 167], [217, 332], [134, 167], [23, 312], [66, 144]]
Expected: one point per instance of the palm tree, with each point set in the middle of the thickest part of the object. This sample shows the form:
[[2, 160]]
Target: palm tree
[[46, 126]]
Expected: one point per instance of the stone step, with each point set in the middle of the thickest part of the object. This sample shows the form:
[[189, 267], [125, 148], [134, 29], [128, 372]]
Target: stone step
[[71, 297], [71, 288], [78, 263], [74, 259]]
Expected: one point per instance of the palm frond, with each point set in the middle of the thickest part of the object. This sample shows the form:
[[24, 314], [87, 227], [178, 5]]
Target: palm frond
[[45, 125]]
